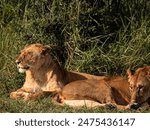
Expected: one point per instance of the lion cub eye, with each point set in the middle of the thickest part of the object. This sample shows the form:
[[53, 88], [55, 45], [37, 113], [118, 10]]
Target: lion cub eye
[[140, 87]]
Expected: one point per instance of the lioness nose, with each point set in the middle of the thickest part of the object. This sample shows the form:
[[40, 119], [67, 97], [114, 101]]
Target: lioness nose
[[17, 61]]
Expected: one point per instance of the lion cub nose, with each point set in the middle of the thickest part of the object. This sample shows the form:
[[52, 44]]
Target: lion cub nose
[[17, 61], [134, 105]]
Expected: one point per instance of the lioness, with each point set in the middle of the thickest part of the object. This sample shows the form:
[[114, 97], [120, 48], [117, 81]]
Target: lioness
[[93, 93], [118, 91], [43, 74], [140, 87]]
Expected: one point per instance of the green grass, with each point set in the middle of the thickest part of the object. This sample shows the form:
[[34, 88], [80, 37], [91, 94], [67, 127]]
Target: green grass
[[97, 37], [45, 105]]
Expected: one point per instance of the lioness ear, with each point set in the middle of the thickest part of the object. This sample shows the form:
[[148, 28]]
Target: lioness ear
[[129, 73], [46, 50]]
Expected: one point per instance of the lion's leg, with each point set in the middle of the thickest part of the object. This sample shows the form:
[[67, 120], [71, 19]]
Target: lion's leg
[[91, 104], [25, 94], [119, 107], [81, 103]]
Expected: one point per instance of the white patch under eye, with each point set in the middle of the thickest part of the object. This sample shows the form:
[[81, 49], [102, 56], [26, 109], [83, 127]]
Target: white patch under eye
[[22, 70]]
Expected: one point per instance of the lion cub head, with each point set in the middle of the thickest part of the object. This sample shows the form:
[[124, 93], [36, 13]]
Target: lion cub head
[[139, 85], [33, 57]]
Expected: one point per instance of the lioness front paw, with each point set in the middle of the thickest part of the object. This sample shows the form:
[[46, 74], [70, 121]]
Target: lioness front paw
[[19, 95], [16, 95]]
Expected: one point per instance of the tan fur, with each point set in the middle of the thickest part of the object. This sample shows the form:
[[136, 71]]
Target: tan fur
[[140, 86], [111, 90], [42, 73]]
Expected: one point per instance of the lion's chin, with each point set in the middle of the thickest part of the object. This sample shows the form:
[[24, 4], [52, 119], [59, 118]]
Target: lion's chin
[[22, 70]]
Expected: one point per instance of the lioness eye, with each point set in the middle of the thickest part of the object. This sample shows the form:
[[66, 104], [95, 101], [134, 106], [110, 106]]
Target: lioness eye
[[140, 87]]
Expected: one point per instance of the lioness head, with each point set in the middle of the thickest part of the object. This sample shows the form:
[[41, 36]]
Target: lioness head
[[139, 85], [32, 57]]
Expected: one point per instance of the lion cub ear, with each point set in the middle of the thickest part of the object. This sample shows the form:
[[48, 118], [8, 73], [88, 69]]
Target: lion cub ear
[[46, 50], [129, 73]]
